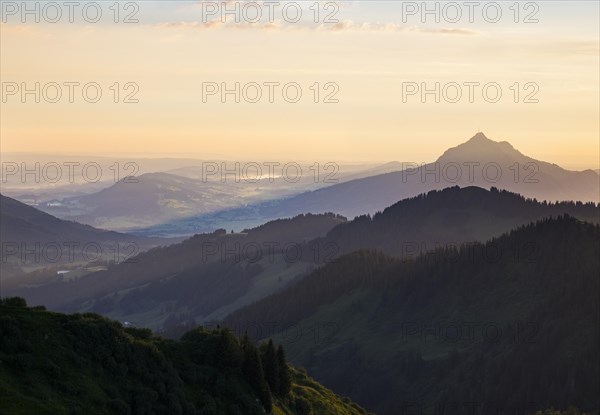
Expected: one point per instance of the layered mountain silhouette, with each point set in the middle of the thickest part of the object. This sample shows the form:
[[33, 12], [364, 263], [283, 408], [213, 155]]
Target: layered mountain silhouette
[[211, 275], [201, 278], [478, 162], [158, 197]]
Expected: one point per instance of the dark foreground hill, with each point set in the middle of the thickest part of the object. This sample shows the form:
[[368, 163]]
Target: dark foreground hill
[[71, 364], [511, 324]]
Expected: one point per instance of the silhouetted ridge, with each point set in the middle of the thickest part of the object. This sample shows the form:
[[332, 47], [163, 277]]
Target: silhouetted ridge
[[452, 215]]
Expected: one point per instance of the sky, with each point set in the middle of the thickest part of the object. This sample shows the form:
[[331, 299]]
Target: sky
[[353, 75]]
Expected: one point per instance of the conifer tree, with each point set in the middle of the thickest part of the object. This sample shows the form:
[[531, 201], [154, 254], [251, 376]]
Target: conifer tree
[[269, 361], [253, 373], [285, 378]]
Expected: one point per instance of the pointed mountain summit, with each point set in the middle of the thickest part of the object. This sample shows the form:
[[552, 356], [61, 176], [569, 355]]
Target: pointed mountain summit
[[479, 136], [481, 148], [481, 141], [480, 161]]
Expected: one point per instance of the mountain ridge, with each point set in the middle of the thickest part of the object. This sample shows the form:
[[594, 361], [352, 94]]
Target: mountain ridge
[[478, 162], [28, 235]]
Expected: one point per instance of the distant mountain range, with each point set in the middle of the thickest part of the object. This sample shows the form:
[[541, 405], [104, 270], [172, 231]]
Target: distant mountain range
[[478, 162], [23, 223], [151, 199], [211, 275], [32, 238], [511, 323]]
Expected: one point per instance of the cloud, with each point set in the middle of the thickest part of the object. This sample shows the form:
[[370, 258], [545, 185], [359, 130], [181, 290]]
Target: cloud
[[341, 26], [217, 24], [448, 31], [348, 25]]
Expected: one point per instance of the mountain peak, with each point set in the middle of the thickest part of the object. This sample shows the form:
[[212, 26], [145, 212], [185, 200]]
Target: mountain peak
[[480, 147], [479, 137]]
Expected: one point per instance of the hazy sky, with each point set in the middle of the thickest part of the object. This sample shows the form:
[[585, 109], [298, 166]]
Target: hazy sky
[[365, 60]]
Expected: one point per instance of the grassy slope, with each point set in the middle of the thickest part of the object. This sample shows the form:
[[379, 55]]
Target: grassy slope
[[315, 399]]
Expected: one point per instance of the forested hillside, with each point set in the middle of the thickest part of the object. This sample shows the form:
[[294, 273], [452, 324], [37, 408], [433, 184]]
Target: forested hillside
[[512, 322], [55, 364], [446, 217]]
